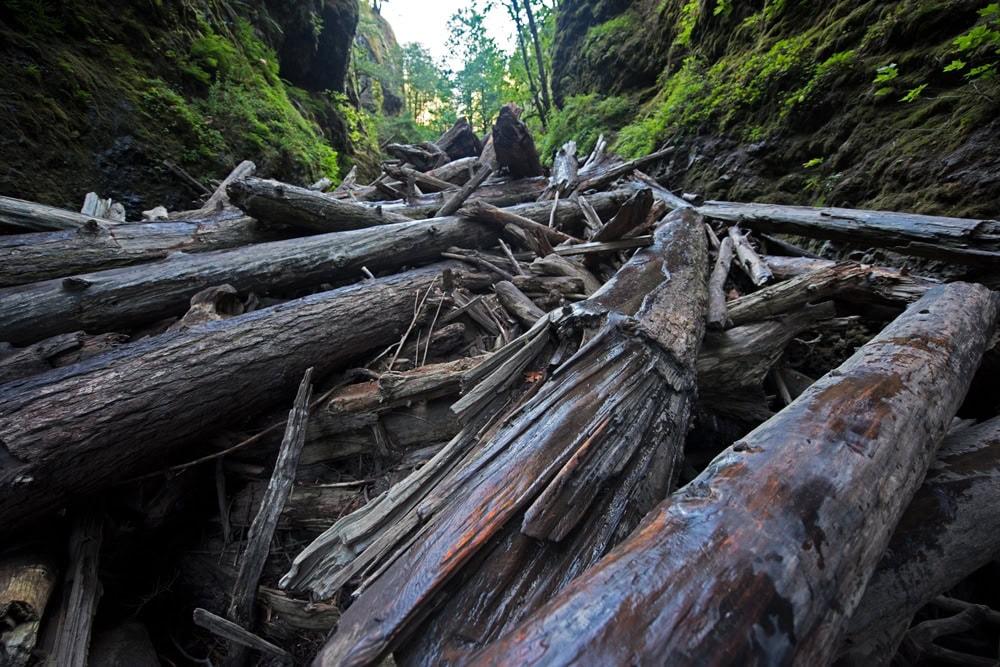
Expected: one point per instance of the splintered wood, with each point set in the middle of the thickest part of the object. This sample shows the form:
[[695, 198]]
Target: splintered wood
[[574, 419]]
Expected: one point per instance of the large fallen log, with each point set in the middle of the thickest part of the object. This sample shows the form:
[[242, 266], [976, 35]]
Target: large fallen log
[[18, 215], [96, 246], [132, 296], [950, 530], [74, 430], [782, 530], [560, 479], [956, 239], [284, 204]]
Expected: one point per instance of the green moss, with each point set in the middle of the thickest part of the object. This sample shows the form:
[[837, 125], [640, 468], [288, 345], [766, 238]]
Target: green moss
[[583, 118]]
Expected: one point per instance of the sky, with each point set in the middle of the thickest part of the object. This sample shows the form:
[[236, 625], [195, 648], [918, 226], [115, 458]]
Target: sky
[[427, 23]]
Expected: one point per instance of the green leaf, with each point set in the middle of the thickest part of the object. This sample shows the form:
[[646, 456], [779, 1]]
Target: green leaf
[[883, 91], [982, 72], [886, 73], [913, 93], [990, 9], [954, 65]]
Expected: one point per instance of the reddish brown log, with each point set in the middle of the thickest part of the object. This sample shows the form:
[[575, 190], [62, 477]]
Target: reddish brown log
[[764, 556], [579, 463]]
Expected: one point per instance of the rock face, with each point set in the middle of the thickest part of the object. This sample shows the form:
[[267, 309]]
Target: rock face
[[101, 96], [841, 103], [379, 66], [315, 49]]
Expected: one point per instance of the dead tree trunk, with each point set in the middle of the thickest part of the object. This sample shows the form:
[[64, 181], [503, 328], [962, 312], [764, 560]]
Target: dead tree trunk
[[514, 146], [280, 203], [75, 430], [557, 484], [783, 530], [19, 216], [127, 297], [956, 239], [97, 246]]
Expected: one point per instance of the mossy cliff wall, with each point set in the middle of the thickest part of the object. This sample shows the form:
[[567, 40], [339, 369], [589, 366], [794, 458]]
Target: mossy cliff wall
[[877, 104], [96, 95]]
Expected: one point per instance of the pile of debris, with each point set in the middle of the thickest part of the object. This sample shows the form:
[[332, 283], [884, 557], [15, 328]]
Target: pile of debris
[[533, 420]]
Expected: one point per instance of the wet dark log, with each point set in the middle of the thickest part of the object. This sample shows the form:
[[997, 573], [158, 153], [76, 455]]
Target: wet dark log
[[132, 296], [72, 431], [950, 529], [557, 265], [514, 146], [279, 203], [16, 363], [955, 239], [784, 529], [27, 580], [18, 215], [460, 141], [96, 246], [424, 156], [500, 218], [552, 488]]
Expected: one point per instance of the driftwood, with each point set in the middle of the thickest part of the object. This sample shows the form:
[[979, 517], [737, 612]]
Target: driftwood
[[601, 177], [718, 316], [456, 200], [563, 475], [514, 146], [82, 591], [96, 246], [280, 203], [17, 215], [127, 297], [424, 156], [565, 167], [957, 239], [216, 373], [749, 260], [219, 200], [800, 504], [631, 216], [950, 530]]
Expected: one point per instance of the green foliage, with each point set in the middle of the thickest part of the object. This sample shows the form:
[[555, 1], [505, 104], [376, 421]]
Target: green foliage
[[815, 162], [724, 7], [37, 18], [688, 20], [583, 118], [913, 93], [426, 91], [981, 45]]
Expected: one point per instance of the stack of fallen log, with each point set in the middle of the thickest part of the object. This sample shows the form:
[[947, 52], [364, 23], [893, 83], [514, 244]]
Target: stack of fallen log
[[572, 419]]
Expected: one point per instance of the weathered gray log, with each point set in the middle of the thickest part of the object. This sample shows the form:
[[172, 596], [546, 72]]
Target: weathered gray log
[[279, 203], [96, 246], [499, 217], [631, 215], [843, 280], [131, 296], [75, 430], [557, 265], [83, 591], [749, 260], [718, 314], [499, 192], [606, 175], [219, 199], [424, 156], [564, 172], [18, 215], [455, 201], [226, 629], [783, 530], [27, 580], [881, 284], [518, 304], [258, 543], [955, 239], [659, 191], [950, 529], [553, 488], [514, 145], [428, 183]]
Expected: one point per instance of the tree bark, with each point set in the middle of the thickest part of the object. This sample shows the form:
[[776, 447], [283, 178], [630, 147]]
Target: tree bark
[[132, 296], [460, 141], [18, 215], [564, 484], [97, 246], [955, 239], [72, 431], [783, 530], [514, 146]]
